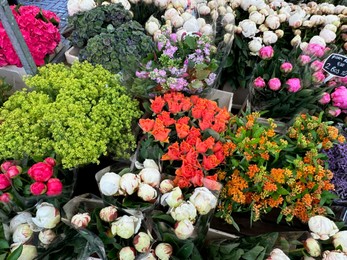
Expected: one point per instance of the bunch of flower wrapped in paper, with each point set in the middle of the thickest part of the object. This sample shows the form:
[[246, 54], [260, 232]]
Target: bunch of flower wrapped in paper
[[265, 171], [286, 87]]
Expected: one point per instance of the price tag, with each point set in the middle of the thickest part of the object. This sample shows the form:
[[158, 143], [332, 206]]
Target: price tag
[[336, 65]]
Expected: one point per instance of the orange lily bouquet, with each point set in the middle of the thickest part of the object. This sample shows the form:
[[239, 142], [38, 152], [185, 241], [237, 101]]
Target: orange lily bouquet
[[185, 131]]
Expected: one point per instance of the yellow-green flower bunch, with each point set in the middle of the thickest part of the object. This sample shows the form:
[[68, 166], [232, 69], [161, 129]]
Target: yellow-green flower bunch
[[79, 113]]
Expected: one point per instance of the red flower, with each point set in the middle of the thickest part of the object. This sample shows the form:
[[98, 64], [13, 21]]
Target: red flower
[[165, 117], [208, 115], [173, 153], [50, 161], [205, 124], [210, 162], [191, 157], [146, 124], [174, 106], [161, 135], [218, 146], [54, 187], [185, 147], [5, 197], [4, 182], [157, 104], [197, 179], [41, 172], [182, 130], [193, 134], [197, 112], [183, 120], [194, 99], [203, 146], [38, 188], [186, 104]]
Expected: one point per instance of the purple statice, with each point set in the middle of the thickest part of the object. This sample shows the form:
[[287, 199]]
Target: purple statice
[[211, 79], [159, 76], [337, 161], [177, 84], [169, 50]]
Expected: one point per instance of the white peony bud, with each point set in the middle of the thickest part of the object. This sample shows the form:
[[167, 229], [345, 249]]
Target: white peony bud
[[109, 183], [186, 16], [125, 3], [75, 6], [150, 176], [255, 45], [177, 21], [340, 9], [312, 247], [303, 45], [81, 220], [162, 4], [229, 18], [264, 12], [235, 4], [277, 254], [180, 34], [147, 192], [273, 22], [252, 8], [147, 256], [166, 186], [203, 200], [318, 40], [170, 13], [282, 18], [295, 20], [191, 25], [127, 253], [249, 28], [180, 4], [331, 27], [47, 216], [201, 22], [204, 10], [334, 255], [322, 227], [172, 198], [257, 17], [212, 5], [142, 242], [186, 210], [125, 226], [228, 38], [229, 28], [108, 214], [340, 240], [296, 41], [308, 24], [214, 15], [263, 28], [129, 183], [334, 19], [152, 25], [269, 37], [222, 10], [21, 218], [47, 236], [279, 33], [29, 252], [22, 233], [184, 229], [327, 35], [317, 19], [163, 251], [207, 30]]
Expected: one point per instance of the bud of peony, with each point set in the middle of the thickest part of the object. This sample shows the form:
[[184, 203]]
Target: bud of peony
[[177, 21], [41, 172], [5, 198], [4, 182], [269, 37], [266, 52], [186, 210], [312, 247], [274, 84], [47, 216], [50, 161], [255, 45], [184, 229], [340, 240], [279, 33], [125, 226], [150, 176], [204, 10], [203, 200], [47, 236], [325, 99], [222, 11], [273, 22], [172, 198], [318, 77], [81, 220], [304, 59], [180, 4], [13, 171], [282, 17], [308, 24], [127, 253], [166, 186], [147, 192], [38, 188], [339, 97], [29, 252], [109, 183], [277, 254], [151, 27], [22, 233], [334, 255], [293, 85], [108, 214], [54, 187], [257, 17], [327, 35], [6, 165], [249, 28], [322, 227], [331, 27], [21, 218], [259, 82], [335, 112], [263, 28], [296, 41], [229, 18], [129, 183], [162, 4], [170, 13], [316, 65], [286, 67], [163, 251], [142, 242]]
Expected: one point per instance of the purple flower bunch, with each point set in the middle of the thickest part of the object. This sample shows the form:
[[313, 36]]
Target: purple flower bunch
[[186, 65]]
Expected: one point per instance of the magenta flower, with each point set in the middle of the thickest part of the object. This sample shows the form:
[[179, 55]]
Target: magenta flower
[[339, 97], [266, 52], [293, 84], [259, 82], [274, 84], [316, 65], [315, 50], [304, 59], [325, 99], [334, 111], [318, 77], [286, 67]]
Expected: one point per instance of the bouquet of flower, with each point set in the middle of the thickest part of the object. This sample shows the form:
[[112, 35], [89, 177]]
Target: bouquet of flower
[[40, 31], [185, 132], [284, 88]]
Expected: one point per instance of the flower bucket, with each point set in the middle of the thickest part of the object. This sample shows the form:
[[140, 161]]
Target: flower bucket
[[71, 55], [13, 76], [224, 98]]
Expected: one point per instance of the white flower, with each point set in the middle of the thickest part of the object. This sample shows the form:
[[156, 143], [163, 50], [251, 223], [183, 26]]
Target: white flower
[[180, 4], [204, 10], [150, 176], [257, 17], [166, 186], [170, 13], [229, 18], [317, 19], [246, 4], [214, 15], [308, 24], [255, 45], [201, 22], [228, 38], [331, 27], [296, 19], [322, 227], [303, 45], [163, 251], [81, 220], [180, 34], [47, 216], [222, 10], [129, 183], [340, 9], [207, 30], [147, 256], [279, 33], [75, 6], [296, 41], [147, 192], [327, 8], [282, 18], [263, 28], [235, 4], [21, 218], [273, 22], [22, 233], [152, 25], [127, 253], [334, 255], [229, 28], [327, 35], [162, 4], [249, 28], [47, 236], [172, 198], [109, 183], [340, 239], [317, 40], [186, 16], [334, 19], [312, 247], [191, 25], [186, 210], [108, 214], [29, 252], [125, 226], [269, 37], [204, 200], [277, 254], [142, 242], [177, 21], [125, 3], [184, 229]]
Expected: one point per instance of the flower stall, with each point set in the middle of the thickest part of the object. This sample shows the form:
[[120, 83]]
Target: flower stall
[[132, 148]]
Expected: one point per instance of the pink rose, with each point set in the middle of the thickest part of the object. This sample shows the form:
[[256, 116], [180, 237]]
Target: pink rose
[[339, 97], [286, 67], [54, 187], [315, 50], [38, 188], [4, 182], [293, 85], [6, 165], [50, 161], [334, 111], [266, 52], [41, 172], [259, 82], [274, 84], [5, 198], [318, 77], [304, 59], [325, 99], [13, 171], [316, 65]]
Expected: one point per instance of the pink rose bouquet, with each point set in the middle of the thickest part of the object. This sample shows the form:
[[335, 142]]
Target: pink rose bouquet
[[285, 85], [40, 31]]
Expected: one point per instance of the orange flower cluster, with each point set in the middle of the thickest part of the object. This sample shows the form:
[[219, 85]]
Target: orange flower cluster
[[186, 123]]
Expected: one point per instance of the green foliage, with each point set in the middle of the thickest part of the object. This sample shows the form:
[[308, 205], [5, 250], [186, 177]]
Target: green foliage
[[93, 22], [121, 49], [4, 91], [80, 113]]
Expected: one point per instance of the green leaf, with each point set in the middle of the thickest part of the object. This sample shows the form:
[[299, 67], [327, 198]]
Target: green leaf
[[167, 218], [185, 251], [236, 255], [253, 253], [4, 244], [226, 249], [16, 253], [202, 74], [124, 171], [282, 191], [3, 256], [190, 41]]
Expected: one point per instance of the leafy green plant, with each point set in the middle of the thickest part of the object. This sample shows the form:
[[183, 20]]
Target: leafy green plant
[[4, 91], [80, 113]]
